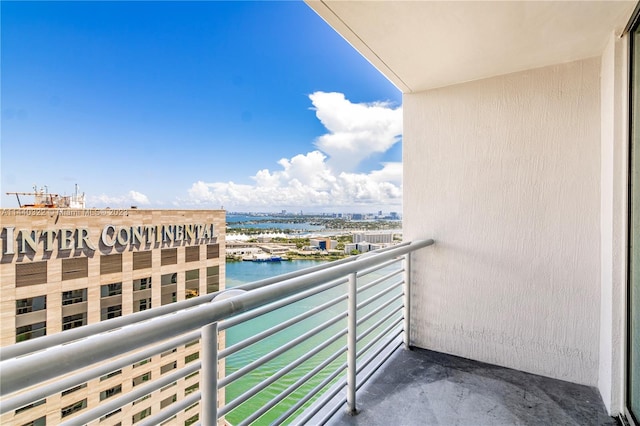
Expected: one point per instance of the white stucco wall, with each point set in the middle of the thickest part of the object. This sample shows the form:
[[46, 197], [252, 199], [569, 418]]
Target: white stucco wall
[[614, 176], [504, 174]]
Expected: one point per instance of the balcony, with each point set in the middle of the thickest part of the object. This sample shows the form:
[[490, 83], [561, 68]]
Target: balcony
[[345, 353]]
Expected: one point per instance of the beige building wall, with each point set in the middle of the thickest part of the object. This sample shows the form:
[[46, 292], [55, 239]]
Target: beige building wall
[[178, 248]]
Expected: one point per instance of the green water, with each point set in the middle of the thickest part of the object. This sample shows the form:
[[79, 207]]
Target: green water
[[242, 272]]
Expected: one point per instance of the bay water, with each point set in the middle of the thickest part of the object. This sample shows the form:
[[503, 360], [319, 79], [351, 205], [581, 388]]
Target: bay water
[[243, 272]]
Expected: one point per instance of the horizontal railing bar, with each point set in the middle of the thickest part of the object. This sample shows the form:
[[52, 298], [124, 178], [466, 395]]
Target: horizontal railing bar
[[331, 412], [294, 386], [229, 378], [382, 265], [273, 280], [67, 336], [379, 294], [379, 308], [65, 383], [106, 407], [266, 333], [379, 280], [295, 407], [34, 345], [35, 368], [366, 361], [384, 332], [274, 377], [322, 401], [268, 281], [171, 410], [238, 319]]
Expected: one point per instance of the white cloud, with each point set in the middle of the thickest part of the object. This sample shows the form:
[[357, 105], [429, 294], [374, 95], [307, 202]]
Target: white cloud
[[129, 199], [138, 197], [313, 187], [324, 178], [356, 131]]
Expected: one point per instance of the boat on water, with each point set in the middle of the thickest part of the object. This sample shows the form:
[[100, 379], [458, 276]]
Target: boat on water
[[268, 259], [262, 257]]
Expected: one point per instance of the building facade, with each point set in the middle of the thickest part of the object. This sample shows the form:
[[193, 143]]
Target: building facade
[[373, 237], [66, 268]]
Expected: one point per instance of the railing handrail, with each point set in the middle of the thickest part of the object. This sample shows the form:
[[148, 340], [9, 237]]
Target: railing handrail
[[34, 345], [34, 368]]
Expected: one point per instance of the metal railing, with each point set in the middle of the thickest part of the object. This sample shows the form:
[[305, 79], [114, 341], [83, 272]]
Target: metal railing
[[340, 317]]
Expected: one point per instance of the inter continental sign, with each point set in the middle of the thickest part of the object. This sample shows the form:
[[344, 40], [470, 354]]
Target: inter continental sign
[[26, 241]]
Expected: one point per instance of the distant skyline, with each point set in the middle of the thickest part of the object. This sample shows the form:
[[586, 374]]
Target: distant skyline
[[250, 106]]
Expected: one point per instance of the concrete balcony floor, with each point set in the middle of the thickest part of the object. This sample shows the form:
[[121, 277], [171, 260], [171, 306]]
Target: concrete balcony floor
[[421, 387]]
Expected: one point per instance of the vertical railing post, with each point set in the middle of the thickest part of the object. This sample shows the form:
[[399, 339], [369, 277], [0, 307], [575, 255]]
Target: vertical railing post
[[406, 288], [351, 345], [209, 375]]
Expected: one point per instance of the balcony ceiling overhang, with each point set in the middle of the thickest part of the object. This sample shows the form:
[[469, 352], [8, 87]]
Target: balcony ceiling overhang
[[421, 45]]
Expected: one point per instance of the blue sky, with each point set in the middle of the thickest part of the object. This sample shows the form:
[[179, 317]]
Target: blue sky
[[248, 105]]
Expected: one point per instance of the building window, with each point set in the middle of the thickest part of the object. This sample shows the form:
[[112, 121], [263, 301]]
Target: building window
[[110, 375], [213, 251], [141, 305], [170, 297], [110, 290], [141, 415], [191, 343], [106, 416], [139, 400], [31, 331], [73, 408], [191, 357], [31, 273], [142, 284], [30, 406], [169, 386], [141, 260], [32, 304], [192, 283], [108, 393], [213, 279], [143, 362], [191, 389], [141, 378], [74, 296], [110, 312], [42, 421], [111, 264], [75, 268], [168, 279], [168, 367], [169, 256], [192, 254], [168, 401], [191, 420], [169, 352], [73, 389], [73, 321]]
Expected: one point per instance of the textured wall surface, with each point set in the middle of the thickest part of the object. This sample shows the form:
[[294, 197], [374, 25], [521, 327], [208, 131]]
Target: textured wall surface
[[613, 217], [504, 174]]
